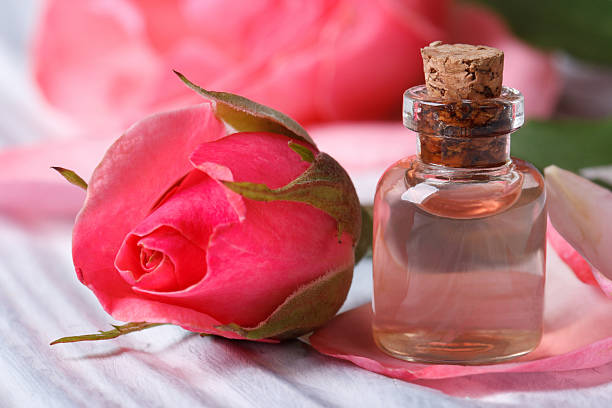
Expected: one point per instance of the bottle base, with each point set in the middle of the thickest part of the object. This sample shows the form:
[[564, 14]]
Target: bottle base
[[474, 347]]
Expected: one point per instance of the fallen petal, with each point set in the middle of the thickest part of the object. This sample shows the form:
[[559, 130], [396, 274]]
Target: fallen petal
[[577, 335], [570, 256], [582, 213]]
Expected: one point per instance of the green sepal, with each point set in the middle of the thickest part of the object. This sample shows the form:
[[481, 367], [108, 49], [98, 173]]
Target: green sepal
[[71, 176], [324, 185], [109, 334], [305, 153], [245, 115], [309, 307], [365, 239]]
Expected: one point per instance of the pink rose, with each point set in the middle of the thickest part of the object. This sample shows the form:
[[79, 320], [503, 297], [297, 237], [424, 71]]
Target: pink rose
[[317, 60], [249, 235], [110, 62]]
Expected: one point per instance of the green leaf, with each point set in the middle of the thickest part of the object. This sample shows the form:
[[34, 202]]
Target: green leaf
[[307, 308], [71, 176], [110, 334], [244, 115], [324, 185], [305, 153], [571, 144], [365, 239], [581, 28]]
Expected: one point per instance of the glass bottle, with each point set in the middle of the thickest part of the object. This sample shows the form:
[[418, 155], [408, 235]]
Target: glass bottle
[[459, 237]]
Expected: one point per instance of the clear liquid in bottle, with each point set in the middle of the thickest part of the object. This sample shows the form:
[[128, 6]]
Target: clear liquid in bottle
[[459, 262]]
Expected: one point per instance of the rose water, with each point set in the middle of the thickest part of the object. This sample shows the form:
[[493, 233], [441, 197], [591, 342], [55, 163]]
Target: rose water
[[459, 232]]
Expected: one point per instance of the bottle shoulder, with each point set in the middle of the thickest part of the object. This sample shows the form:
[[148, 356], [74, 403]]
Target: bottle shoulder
[[461, 193]]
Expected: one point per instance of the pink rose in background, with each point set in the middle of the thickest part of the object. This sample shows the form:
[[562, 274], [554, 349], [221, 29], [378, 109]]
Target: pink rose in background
[[318, 60], [525, 68], [110, 62], [161, 238]]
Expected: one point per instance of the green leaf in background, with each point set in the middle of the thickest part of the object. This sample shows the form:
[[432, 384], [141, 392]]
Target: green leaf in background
[[572, 144], [244, 115], [581, 28]]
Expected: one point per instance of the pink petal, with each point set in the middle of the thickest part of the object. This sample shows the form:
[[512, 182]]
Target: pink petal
[[194, 210], [526, 69], [123, 51], [91, 61], [254, 157], [570, 256], [271, 252], [582, 213], [122, 191], [577, 335], [338, 64], [249, 157], [180, 263]]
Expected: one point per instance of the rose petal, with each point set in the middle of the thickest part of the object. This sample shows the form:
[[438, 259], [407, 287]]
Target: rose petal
[[270, 253], [251, 157], [570, 256], [180, 263], [194, 210], [577, 334], [179, 228], [582, 213], [338, 65], [122, 191], [123, 51], [120, 80]]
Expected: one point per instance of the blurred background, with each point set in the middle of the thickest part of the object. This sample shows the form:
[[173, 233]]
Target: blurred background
[[75, 74]]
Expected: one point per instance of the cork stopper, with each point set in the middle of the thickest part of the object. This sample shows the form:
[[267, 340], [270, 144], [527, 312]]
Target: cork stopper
[[462, 71]]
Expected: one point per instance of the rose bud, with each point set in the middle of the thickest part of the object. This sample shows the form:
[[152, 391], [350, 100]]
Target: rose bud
[[248, 235]]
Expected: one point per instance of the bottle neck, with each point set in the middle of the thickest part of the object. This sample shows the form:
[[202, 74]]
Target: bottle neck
[[469, 134], [464, 152]]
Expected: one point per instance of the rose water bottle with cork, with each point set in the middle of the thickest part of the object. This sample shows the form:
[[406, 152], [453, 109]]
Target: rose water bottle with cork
[[459, 228]]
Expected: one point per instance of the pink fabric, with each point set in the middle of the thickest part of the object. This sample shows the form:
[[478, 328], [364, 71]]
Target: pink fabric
[[108, 63], [161, 239], [577, 335]]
